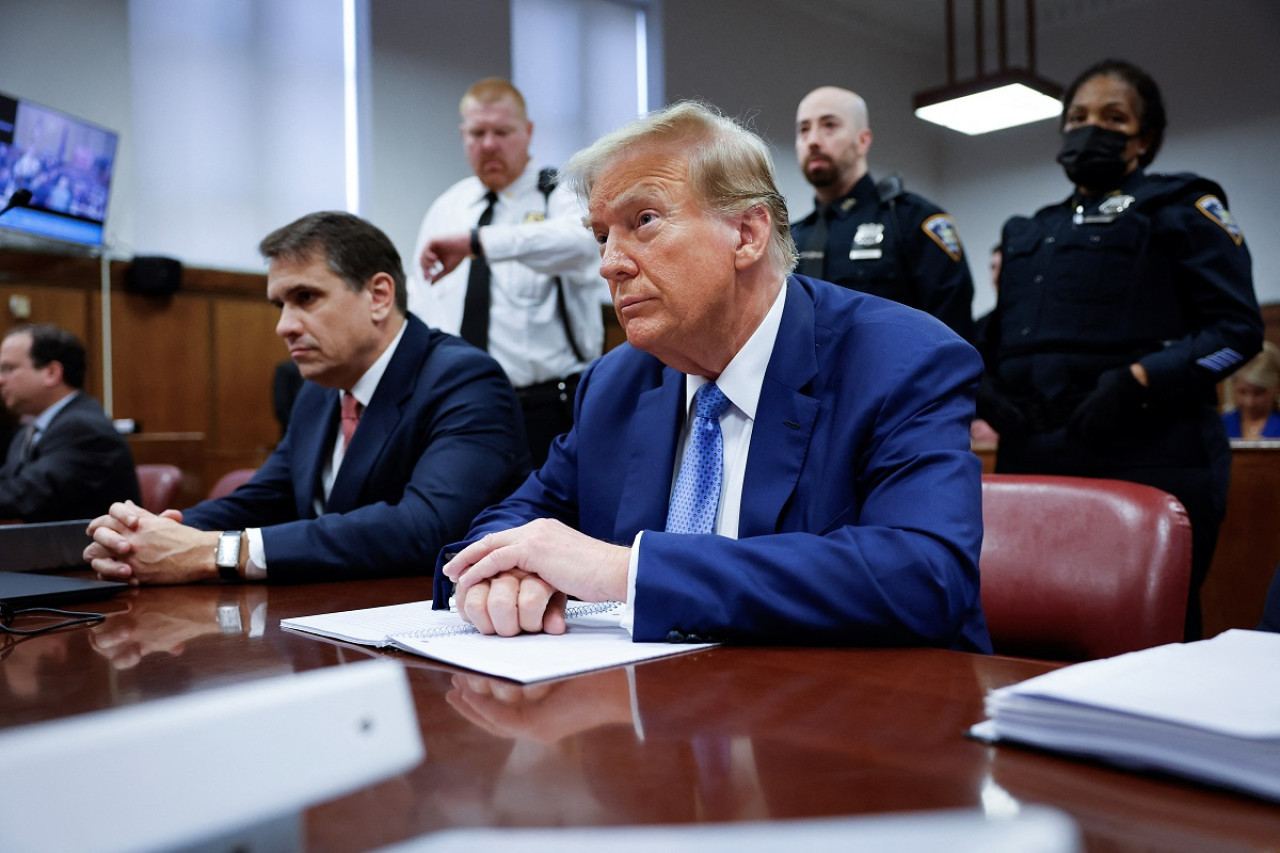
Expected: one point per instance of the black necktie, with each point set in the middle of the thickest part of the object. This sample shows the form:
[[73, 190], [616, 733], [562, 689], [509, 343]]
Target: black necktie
[[475, 310], [813, 253]]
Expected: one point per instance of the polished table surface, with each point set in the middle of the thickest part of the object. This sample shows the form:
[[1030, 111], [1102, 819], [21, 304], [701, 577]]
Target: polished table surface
[[723, 734]]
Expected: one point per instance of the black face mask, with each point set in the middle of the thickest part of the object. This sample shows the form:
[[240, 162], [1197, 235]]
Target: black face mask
[[1093, 156]]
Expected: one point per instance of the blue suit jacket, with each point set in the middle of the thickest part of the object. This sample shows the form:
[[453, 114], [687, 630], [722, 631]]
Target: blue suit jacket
[[441, 439], [861, 517]]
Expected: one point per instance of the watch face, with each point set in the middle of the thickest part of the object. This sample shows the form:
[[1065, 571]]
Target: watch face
[[229, 618], [228, 550]]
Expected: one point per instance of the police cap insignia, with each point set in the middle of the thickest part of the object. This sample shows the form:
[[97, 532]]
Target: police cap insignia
[[942, 230], [1212, 207]]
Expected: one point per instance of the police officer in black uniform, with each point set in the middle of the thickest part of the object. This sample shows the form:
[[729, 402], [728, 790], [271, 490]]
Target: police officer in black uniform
[[1119, 310], [872, 237]]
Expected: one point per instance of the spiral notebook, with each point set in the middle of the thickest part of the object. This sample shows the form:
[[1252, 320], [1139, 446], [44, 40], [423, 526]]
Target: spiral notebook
[[594, 639]]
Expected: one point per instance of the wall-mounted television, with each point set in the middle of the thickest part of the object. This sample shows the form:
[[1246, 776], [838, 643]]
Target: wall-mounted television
[[66, 163]]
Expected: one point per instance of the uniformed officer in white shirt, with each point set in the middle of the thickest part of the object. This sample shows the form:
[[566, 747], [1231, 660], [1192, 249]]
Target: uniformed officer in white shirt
[[540, 314]]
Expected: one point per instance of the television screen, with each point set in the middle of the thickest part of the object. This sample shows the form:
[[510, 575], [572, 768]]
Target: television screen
[[66, 164]]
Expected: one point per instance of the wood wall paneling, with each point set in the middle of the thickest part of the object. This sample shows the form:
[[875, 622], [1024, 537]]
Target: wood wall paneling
[[193, 369], [246, 351], [162, 360], [1248, 541]]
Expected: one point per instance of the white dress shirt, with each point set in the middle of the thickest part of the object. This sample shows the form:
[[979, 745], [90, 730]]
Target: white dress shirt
[[531, 240], [741, 382]]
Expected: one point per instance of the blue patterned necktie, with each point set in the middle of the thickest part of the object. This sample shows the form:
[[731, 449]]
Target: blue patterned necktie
[[697, 492]]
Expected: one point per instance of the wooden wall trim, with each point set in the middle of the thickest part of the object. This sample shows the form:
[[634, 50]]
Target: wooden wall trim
[[28, 268]]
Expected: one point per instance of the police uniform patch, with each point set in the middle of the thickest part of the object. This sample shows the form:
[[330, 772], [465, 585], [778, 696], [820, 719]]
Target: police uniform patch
[[942, 230], [1212, 207]]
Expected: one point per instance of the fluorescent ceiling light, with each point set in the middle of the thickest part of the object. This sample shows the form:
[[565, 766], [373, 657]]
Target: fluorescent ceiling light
[[994, 105]]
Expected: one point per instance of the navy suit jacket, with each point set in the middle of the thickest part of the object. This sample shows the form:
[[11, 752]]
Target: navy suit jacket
[[441, 439], [78, 468], [861, 518]]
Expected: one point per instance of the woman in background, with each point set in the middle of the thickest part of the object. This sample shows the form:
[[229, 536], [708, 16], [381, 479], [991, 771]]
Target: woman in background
[[1119, 310], [1254, 389]]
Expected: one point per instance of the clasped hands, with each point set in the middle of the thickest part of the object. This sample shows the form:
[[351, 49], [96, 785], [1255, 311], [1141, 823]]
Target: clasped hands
[[519, 580], [134, 545]]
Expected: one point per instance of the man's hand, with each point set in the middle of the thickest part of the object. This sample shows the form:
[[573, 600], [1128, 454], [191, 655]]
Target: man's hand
[[443, 254], [545, 713], [516, 580], [131, 544]]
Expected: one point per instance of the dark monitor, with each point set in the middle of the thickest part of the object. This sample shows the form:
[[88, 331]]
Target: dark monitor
[[65, 163]]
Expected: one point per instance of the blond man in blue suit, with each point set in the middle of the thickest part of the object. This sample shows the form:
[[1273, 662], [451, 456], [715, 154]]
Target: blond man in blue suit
[[848, 504]]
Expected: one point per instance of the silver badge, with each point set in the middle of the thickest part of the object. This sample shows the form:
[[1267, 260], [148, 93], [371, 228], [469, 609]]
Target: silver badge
[[1116, 204], [869, 234]]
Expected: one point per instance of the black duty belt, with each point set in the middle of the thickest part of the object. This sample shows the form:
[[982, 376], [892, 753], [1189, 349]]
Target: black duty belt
[[553, 390]]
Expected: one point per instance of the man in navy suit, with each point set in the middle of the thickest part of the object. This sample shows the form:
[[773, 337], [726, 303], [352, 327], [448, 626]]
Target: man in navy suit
[[398, 438], [68, 462], [849, 503]]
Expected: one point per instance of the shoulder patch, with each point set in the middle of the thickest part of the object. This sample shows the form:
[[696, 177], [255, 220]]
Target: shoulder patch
[[942, 230], [1212, 207]]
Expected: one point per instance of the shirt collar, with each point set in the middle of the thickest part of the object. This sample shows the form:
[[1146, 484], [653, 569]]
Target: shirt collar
[[42, 420], [743, 377], [526, 182], [863, 191], [368, 383]]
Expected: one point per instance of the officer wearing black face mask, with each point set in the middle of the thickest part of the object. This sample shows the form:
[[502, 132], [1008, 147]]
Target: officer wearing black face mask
[[1119, 310]]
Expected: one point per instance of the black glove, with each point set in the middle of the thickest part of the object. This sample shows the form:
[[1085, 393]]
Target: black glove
[[999, 411], [1113, 414]]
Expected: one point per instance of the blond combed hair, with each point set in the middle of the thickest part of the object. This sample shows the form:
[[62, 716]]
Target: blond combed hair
[[730, 169], [490, 90]]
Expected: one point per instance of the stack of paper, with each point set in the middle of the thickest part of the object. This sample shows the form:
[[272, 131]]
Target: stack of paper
[[1209, 711], [594, 639]]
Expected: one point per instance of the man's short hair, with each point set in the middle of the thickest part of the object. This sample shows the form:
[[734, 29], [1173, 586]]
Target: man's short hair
[[54, 343], [729, 167], [356, 250], [490, 90]]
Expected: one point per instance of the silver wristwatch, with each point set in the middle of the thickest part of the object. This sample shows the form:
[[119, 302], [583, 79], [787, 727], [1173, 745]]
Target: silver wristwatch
[[227, 555]]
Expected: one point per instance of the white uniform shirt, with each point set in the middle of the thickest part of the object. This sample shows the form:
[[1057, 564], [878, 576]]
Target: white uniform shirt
[[531, 240]]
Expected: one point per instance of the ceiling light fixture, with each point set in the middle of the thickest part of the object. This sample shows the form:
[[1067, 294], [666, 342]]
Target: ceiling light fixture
[[1005, 98]]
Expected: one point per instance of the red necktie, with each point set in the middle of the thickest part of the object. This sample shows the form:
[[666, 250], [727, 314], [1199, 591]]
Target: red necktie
[[351, 410]]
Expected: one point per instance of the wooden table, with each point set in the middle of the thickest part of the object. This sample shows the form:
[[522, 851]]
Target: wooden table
[[721, 735]]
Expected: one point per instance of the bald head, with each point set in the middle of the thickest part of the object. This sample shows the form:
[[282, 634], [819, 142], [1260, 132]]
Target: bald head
[[832, 140]]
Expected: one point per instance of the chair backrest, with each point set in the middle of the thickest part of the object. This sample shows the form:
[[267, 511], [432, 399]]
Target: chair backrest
[[231, 481], [1076, 569], [160, 486]]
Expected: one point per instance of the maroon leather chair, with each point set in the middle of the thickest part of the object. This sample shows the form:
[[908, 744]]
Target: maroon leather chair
[[1075, 569], [231, 481], [160, 486]]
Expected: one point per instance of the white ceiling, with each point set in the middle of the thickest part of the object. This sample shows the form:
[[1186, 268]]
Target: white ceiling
[[918, 26]]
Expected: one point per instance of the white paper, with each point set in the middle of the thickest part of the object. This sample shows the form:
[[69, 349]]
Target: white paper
[[1209, 710], [594, 639]]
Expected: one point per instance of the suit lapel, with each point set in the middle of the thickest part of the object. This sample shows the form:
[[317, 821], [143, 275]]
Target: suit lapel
[[378, 421], [314, 445], [651, 438], [784, 418]]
